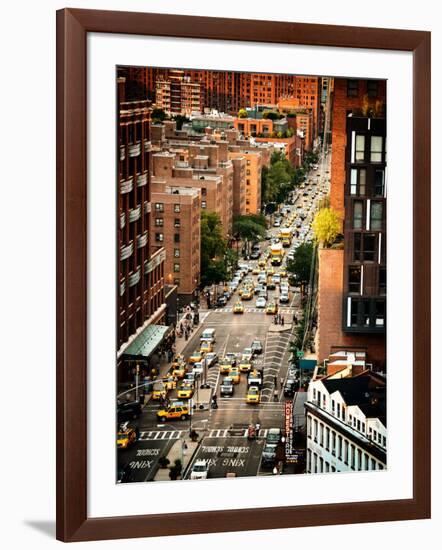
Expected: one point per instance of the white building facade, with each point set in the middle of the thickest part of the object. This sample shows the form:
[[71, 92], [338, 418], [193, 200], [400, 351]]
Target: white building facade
[[346, 425]]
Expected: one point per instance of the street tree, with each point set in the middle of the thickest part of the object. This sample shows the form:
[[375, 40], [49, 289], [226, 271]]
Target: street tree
[[213, 248], [249, 228], [326, 226], [301, 264]]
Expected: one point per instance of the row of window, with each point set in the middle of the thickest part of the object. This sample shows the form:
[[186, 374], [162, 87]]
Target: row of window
[[358, 182], [339, 446], [159, 237], [318, 465], [353, 88], [365, 313], [375, 152], [159, 207], [370, 211], [368, 247], [356, 279]]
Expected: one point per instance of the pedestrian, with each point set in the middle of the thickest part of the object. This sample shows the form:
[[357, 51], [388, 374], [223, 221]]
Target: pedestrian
[[275, 395], [257, 428], [275, 320], [282, 320], [281, 381], [275, 381]]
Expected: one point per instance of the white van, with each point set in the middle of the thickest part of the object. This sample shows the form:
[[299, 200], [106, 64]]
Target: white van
[[208, 335]]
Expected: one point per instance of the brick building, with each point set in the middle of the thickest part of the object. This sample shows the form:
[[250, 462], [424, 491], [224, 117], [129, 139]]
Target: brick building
[[352, 281], [175, 225], [141, 307]]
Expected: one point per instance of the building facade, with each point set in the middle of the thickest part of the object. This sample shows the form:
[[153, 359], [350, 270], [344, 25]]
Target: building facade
[[175, 225], [352, 279], [346, 423]]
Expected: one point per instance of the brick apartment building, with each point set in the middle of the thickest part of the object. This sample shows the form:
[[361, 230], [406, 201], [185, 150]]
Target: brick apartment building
[[141, 308], [175, 225], [352, 280]]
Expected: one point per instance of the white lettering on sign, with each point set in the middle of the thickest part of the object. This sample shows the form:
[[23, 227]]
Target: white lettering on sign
[[140, 464], [207, 449], [234, 462], [212, 462], [148, 452], [237, 449]]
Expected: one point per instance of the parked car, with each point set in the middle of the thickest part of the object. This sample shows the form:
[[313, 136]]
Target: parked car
[[290, 387], [261, 302], [222, 301], [274, 436], [283, 298], [268, 458]]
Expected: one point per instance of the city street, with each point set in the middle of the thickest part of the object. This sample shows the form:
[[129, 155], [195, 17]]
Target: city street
[[223, 431]]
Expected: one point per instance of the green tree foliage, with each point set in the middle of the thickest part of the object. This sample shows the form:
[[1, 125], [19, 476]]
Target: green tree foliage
[[242, 113], [326, 226], [272, 115], [180, 120], [213, 248], [277, 179], [158, 115], [301, 264], [249, 228]]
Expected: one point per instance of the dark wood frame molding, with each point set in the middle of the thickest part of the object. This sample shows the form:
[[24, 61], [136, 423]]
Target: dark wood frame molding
[[72, 28]]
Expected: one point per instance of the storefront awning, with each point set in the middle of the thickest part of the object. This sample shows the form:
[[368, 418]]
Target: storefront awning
[[148, 340]]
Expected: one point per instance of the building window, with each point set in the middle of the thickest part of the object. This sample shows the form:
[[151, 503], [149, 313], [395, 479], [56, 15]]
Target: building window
[[360, 148], [176, 268], [177, 208], [382, 280], [366, 316], [176, 281], [176, 238], [376, 148], [159, 222], [338, 410], [364, 247], [354, 278], [203, 204], [203, 191], [177, 222], [176, 252], [379, 183], [333, 404], [159, 207], [353, 313], [357, 181], [376, 216], [352, 87], [380, 313], [372, 88], [159, 237], [358, 211]]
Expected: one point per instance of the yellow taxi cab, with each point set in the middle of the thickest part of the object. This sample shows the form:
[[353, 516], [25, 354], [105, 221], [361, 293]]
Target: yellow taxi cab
[[169, 383], [252, 395], [271, 308], [256, 270], [125, 437], [179, 370], [247, 294], [159, 391], [185, 391], [238, 308], [283, 274], [235, 375], [270, 271], [245, 365], [175, 411], [262, 262], [206, 346], [196, 357], [225, 366]]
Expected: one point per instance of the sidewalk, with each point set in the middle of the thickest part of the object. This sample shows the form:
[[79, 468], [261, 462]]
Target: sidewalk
[[177, 453], [280, 328]]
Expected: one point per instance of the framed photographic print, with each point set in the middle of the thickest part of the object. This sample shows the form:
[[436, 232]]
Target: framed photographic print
[[227, 224]]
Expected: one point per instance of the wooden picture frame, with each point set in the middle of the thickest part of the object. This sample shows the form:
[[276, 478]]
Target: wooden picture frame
[[73, 25]]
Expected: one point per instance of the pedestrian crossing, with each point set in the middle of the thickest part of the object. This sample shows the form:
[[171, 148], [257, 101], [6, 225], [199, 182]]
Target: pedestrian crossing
[[281, 310], [175, 435]]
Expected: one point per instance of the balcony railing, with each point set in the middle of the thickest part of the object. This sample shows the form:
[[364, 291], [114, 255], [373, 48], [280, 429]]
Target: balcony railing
[[147, 207], [135, 277], [126, 251], [134, 149], [147, 146], [122, 152], [126, 186], [122, 287], [122, 219], [142, 240], [134, 214], [142, 179]]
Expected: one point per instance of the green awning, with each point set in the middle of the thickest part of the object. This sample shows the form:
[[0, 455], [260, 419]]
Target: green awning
[[147, 341]]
